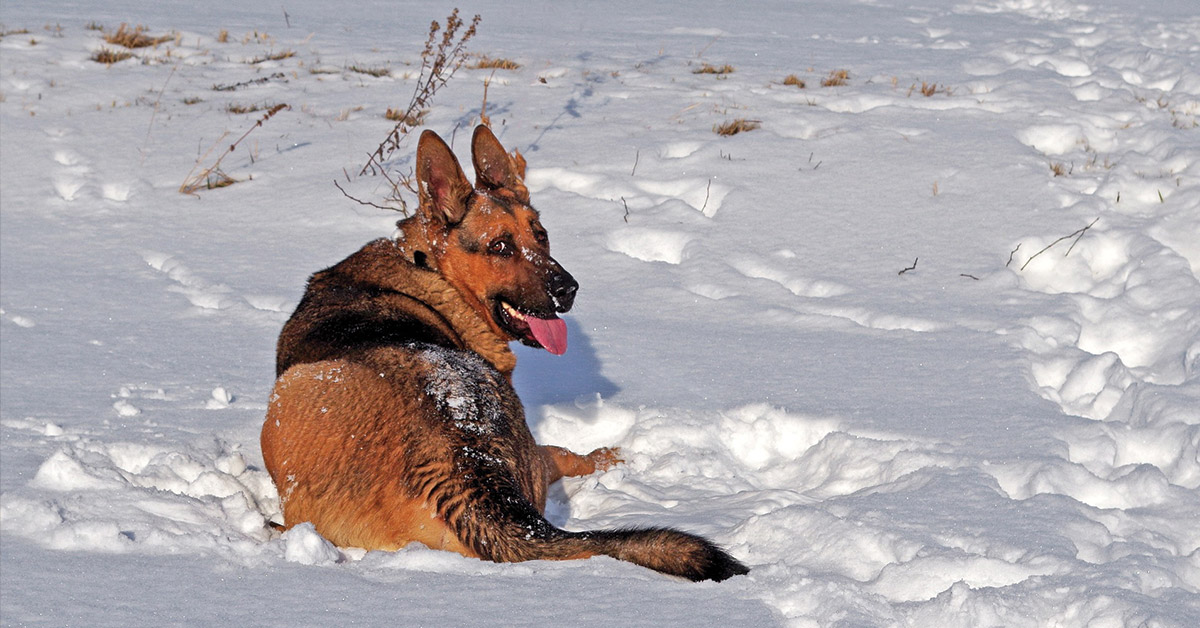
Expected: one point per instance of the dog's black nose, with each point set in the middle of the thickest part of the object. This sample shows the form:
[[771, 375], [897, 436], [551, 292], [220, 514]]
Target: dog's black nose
[[562, 289]]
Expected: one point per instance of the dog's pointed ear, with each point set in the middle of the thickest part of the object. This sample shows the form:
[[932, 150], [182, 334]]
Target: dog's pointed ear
[[496, 169], [442, 187]]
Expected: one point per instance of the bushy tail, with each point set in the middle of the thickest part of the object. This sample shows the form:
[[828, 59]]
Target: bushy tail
[[518, 532], [491, 516], [661, 549]]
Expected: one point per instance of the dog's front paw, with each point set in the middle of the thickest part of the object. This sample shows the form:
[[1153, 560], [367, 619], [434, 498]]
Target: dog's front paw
[[606, 458]]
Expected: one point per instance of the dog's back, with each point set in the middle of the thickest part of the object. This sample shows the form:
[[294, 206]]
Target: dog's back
[[393, 418]]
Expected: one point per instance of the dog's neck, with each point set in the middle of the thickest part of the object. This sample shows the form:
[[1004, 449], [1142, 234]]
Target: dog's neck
[[420, 279], [412, 239]]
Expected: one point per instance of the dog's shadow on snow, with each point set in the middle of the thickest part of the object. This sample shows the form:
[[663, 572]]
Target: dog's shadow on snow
[[542, 378]]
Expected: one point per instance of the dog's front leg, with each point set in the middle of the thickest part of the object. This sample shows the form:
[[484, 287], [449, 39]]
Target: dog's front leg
[[564, 462]]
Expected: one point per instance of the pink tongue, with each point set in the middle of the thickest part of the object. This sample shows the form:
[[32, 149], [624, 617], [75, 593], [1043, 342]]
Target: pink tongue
[[551, 334]]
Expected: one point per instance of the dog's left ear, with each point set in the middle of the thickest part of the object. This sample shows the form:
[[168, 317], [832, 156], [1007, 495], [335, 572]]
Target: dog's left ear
[[494, 168]]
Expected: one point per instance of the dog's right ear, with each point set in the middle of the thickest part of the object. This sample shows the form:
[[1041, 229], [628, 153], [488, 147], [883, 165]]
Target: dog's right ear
[[494, 168], [442, 188]]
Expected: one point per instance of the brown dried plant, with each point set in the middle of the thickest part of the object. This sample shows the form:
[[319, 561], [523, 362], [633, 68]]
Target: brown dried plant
[[440, 59], [379, 72], [411, 119], [274, 56], [213, 177], [708, 68], [794, 80], [488, 63], [733, 127], [108, 56], [836, 78], [135, 37]]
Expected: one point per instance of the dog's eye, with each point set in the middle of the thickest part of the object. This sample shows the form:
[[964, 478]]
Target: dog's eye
[[502, 247], [541, 237]]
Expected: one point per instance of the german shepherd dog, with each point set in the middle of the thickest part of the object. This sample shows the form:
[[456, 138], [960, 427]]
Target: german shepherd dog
[[393, 418]]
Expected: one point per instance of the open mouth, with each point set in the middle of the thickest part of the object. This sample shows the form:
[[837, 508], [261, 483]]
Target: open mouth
[[547, 333]]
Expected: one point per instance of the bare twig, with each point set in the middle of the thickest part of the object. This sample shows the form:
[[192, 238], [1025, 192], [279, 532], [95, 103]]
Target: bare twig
[[706, 46], [636, 156], [1011, 254], [626, 208], [969, 276], [154, 113], [1081, 232], [706, 191], [1078, 233], [913, 267], [360, 201]]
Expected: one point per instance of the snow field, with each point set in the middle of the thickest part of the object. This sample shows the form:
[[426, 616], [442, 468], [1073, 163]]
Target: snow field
[[969, 443]]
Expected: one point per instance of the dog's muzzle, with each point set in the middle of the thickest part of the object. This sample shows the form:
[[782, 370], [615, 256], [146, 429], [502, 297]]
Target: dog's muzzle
[[562, 287]]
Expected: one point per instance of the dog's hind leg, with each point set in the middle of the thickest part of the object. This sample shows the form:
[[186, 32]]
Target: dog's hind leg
[[566, 463], [493, 519]]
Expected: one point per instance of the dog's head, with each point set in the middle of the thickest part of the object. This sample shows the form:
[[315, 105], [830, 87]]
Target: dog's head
[[487, 241]]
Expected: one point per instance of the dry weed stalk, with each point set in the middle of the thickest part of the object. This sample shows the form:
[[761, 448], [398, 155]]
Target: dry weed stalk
[[733, 127], [212, 177], [484, 118], [439, 61]]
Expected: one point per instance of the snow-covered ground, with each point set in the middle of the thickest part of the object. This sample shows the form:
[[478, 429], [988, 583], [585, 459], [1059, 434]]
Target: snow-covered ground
[[991, 438]]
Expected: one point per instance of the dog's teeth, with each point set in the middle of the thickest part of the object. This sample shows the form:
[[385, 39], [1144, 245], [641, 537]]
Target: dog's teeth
[[512, 311]]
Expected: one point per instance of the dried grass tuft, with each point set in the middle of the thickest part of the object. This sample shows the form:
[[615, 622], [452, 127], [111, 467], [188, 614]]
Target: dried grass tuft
[[275, 56], [369, 71], [708, 68], [412, 119], [135, 37], [836, 78], [488, 63], [733, 127], [794, 80], [109, 56]]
